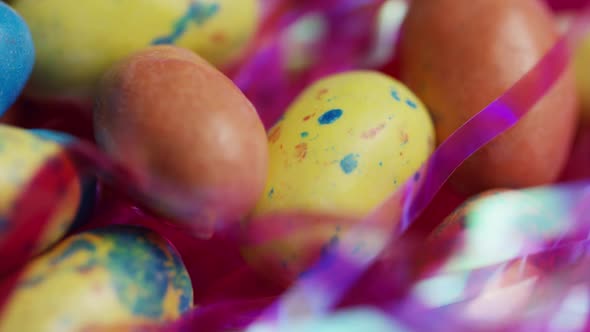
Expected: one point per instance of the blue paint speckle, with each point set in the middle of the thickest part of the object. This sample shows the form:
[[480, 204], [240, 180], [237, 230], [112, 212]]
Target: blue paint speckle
[[417, 176], [380, 164], [411, 104], [330, 116], [271, 192], [304, 134], [197, 12], [395, 95], [53, 136], [349, 163]]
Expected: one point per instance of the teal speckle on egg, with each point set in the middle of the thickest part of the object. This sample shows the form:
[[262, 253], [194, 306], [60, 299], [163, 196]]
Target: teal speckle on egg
[[137, 259]]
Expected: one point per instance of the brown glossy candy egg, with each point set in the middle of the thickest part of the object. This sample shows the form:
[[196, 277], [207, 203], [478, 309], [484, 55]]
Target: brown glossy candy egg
[[460, 55], [186, 131]]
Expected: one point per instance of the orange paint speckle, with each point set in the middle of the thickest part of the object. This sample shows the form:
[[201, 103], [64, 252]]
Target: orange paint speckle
[[371, 133], [307, 117], [274, 134], [301, 151], [321, 93], [404, 137], [218, 37]]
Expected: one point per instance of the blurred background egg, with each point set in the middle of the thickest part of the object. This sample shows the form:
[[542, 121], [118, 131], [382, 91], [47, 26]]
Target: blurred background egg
[[461, 61], [105, 277], [496, 226], [77, 43], [37, 180], [486, 240], [193, 139], [342, 147], [17, 55]]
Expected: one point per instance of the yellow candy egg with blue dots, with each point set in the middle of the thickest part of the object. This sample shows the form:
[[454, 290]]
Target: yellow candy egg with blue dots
[[343, 146], [76, 42], [104, 278], [36, 178]]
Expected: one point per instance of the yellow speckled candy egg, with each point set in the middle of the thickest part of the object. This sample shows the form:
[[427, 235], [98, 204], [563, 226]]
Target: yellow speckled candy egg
[[36, 178], [582, 63], [346, 144], [76, 42], [118, 275], [343, 146]]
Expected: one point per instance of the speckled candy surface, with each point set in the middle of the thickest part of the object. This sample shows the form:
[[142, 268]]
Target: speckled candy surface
[[17, 55], [33, 167], [105, 277], [77, 43], [345, 144]]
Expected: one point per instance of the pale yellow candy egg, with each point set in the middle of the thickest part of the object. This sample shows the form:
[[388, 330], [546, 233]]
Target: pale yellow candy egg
[[76, 42]]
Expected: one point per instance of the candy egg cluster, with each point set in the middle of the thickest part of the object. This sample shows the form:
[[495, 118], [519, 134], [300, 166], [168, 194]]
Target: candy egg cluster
[[173, 97]]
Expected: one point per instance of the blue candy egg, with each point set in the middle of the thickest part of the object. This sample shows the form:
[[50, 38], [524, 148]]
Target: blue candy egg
[[88, 183], [17, 56]]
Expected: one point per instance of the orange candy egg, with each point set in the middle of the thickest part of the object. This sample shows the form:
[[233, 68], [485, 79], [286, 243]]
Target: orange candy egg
[[186, 131]]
